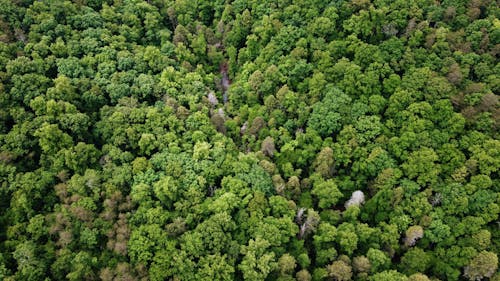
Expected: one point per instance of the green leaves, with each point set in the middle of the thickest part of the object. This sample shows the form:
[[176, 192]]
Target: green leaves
[[331, 113], [257, 263], [422, 167], [378, 260], [166, 190], [327, 193], [485, 264], [215, 267], [52, 139], [356, 140]]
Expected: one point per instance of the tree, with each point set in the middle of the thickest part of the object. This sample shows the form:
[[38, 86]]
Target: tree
[[483, 265], [82, 267], [286, 264], [166, 190], [260, 140], [81, 157], [215, 267], [422, 167], [327, 193], [357, 198], [331, 113], [339, 270], [413, 233], [347, 238], [303, 275], [361, 264], [418, 277], [267, 146], [438, 231], [324, 162], [389, 275], [487, 156], [257, 262], [415, 260], [323, 242], [30, 267], [308, 222], [378, 260], [52, 139]]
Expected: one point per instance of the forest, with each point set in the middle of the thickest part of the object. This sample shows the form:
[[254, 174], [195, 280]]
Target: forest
[[250, 140]]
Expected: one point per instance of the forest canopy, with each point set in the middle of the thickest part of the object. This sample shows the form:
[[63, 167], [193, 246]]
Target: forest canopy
[[249, 140]]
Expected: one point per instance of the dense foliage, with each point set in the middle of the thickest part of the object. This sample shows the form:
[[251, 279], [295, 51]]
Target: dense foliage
[[249, 140]]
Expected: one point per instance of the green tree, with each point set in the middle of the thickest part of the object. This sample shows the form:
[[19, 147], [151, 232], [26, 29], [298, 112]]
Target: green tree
[[339, 270], [286, 264], [215, 267], [324, 243], [327, 193], [389, 275], [378, 260], [483, 265], [257, 262], [329, 115], [415, 260], [422, 166]]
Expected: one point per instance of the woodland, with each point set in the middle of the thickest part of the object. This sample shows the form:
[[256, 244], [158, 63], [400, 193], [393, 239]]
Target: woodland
[[251, 140]]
